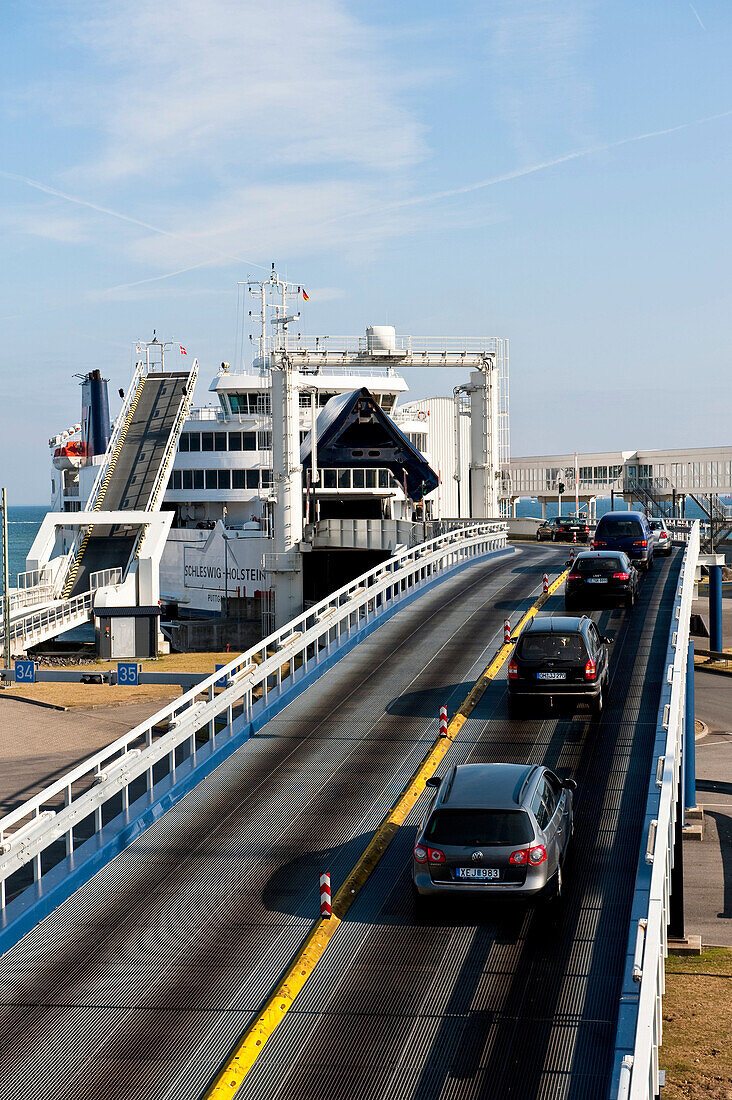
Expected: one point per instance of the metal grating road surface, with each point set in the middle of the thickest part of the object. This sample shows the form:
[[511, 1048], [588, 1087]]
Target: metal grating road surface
[[477, 1001], [140, 983]]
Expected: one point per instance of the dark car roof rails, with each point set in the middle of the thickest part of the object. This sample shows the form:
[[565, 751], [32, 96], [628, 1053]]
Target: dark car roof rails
[[446, 785], [525, 782]]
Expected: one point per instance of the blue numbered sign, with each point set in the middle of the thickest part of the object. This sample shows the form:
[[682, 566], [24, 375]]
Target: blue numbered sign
[[223, 681], [25, 672], [128, 673]]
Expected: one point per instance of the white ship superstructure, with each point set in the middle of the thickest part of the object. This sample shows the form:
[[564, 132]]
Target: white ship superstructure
[[222, 489]]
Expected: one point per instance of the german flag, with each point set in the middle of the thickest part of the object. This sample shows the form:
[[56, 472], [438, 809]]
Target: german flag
[[305, 295]]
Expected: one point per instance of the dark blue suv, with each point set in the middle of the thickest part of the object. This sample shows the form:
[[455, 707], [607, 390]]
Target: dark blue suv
[[629, 532]]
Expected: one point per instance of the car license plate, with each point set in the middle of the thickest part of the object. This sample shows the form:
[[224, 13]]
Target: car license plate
[[477, 872], [597, 580], [551, 675]]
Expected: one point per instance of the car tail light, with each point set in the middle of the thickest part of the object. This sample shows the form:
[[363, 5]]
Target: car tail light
[[537, 855], [596, 544], [434, 855], [590, 670], [641, 542], [574, 577], [621, 576], [520, 857], [420, 853], [586, 530], [512, 670]]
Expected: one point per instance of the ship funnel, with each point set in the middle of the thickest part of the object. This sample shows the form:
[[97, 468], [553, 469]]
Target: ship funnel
[[95, 413]]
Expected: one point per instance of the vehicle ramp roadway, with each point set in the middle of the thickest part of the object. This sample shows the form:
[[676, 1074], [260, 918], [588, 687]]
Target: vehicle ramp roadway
[[132, 475], [140, 984]]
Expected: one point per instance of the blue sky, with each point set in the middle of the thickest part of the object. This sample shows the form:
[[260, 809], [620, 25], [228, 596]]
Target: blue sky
[[554, 172]]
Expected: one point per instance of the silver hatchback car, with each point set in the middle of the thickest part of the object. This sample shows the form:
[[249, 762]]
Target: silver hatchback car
[[494, 829]]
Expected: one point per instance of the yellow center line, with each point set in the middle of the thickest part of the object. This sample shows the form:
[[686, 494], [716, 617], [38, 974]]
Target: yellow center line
[[250, 1046]]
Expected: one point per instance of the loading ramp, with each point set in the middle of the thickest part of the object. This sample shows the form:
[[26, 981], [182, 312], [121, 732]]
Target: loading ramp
[[135, 479], [141, 983]]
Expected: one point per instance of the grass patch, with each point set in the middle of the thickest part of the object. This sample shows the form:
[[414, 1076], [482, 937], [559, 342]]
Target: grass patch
[[697, 1025], [99, 695]]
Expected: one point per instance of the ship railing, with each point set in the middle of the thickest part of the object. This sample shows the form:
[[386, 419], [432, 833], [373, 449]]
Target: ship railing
[[206, 414], [165, 755], [399, 345], [35, 578], [636, 1067], [104, 577]]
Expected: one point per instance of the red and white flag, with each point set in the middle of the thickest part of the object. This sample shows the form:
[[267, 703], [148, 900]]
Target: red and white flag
[[182, 350]]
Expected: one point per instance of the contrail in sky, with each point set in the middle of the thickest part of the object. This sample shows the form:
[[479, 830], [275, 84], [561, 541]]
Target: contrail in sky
[[518, 173], [696, 13], [157, 278], [38, 186], [435, 196]]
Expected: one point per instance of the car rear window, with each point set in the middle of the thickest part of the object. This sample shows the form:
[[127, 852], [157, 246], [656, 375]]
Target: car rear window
[[619, 528], [597, 565], [656, 524], [480, 827], [557, 647]]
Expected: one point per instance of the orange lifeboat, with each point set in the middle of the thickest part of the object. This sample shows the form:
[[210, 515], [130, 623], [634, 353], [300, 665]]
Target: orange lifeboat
[[70, 456]]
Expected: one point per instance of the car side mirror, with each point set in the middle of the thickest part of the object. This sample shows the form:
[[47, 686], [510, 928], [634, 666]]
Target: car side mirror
[[609, 639], [570, 785], [433, 781]]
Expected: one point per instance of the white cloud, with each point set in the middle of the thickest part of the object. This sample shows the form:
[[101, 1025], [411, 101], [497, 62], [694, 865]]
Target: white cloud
[[221, 87], [288, 219], [49, 225], [535, 51]]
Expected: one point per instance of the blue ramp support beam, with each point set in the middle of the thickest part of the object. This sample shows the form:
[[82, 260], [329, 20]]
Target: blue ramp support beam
[[715, 608]]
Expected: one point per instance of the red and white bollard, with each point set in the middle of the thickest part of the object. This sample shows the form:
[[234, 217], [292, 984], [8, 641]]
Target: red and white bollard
[[325, 900], [546, 583], [574, 537], [506, 631], [443, 721]]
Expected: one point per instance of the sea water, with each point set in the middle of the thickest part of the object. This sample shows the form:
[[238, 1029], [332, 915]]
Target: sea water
[[23, 524]]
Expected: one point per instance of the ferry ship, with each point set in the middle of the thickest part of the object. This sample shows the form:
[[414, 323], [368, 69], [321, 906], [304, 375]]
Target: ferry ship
[[220, 487]]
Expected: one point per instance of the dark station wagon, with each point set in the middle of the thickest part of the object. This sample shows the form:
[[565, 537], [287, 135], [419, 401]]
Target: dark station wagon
[[600, 577], [559, 657]]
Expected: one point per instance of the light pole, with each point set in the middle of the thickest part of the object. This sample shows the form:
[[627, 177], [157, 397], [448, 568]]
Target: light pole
[[6, 583]]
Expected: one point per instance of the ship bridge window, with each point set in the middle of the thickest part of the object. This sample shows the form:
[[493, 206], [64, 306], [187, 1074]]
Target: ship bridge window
[[252, 479], [266, 477], [220, 441], [176, 481], [187, 479], [250, 404], [211, 479], [359, 479], [224, 479], [264, 441], [238, 479], [198, 479], [207, 441]]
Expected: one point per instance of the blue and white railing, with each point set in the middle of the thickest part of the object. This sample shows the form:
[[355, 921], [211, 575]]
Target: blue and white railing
[[61, 837], [636, 1072]]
